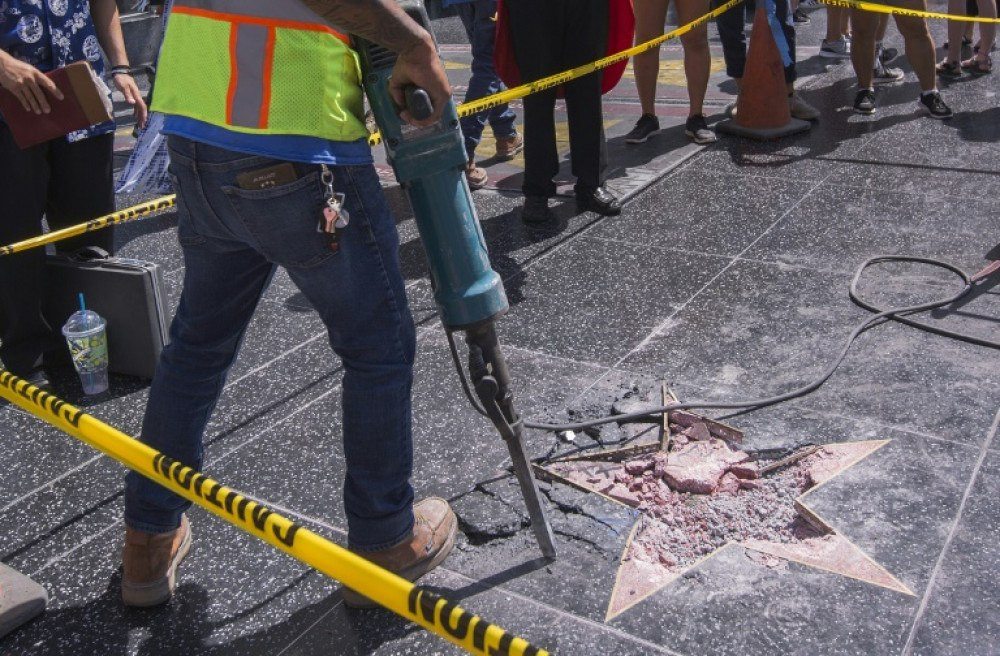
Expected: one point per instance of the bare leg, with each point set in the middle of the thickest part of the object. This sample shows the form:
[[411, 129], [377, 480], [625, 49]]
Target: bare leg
[[919, 46], [835, 20], [956, 30], [987, 31], [863, 46], [650, 15], [697, 58], [883, 25]]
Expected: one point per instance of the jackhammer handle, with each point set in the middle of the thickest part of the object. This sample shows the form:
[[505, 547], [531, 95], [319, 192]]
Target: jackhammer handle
[[419, 103]]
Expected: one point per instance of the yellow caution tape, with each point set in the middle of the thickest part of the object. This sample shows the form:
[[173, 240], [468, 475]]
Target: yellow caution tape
[[504, 97], [426, 608], [899, 11], [121, 216]]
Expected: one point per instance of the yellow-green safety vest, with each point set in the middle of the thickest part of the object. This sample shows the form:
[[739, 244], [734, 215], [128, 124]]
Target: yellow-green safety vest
[[260, 67]]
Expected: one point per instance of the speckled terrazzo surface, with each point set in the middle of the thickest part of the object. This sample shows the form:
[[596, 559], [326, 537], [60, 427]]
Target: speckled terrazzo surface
[[726, 274]]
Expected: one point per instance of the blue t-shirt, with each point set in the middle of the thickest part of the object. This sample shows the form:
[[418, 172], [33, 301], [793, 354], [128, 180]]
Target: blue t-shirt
[[311, 150], [50, 34]]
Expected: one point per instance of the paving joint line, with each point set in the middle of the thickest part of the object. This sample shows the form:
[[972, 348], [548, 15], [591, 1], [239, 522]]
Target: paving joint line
[[93, 459], [932, 581], [492, 588], [208, 462], [781, 218], [826, 413]]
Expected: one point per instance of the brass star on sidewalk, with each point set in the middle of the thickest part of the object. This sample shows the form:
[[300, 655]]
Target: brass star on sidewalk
[[762, 509]]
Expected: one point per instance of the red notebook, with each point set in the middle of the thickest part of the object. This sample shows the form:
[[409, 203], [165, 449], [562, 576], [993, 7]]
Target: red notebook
[[85, 103]]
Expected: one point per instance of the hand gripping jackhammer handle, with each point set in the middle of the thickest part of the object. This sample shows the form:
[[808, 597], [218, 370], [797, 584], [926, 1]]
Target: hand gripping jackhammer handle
[[418, 102], [491, 380]]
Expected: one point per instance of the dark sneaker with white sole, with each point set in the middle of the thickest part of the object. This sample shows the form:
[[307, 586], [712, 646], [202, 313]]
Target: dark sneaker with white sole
[[886, 74], [864, 102], [935, 106], [886, 55], [645, 127], [698, 131], [434, 528]]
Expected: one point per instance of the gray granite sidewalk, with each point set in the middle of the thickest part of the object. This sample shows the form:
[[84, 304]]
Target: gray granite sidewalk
[[726, 276]]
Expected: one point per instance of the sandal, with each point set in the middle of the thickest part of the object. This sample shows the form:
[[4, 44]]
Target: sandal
[[978, 66], [949, 69]]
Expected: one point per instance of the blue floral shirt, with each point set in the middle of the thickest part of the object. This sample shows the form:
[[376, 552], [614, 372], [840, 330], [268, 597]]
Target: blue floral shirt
[[49, 34]]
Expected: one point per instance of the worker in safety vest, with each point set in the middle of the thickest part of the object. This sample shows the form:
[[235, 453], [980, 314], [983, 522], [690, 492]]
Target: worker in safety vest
[[272, 168]]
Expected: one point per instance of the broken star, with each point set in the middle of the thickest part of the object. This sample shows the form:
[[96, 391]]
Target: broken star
[[706, 495]]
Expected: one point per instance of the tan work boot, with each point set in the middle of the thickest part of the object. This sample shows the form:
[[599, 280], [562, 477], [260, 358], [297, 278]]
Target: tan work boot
[[150, 564], [433, 539], [476, 176], [509, 147]]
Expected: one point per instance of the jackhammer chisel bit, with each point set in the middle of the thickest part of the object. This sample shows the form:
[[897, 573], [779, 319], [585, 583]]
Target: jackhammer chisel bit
[[429, 163], [491, 380]]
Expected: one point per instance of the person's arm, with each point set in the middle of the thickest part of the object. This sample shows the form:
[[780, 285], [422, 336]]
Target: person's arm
[[109, 33], [384, 23], [27, 83]]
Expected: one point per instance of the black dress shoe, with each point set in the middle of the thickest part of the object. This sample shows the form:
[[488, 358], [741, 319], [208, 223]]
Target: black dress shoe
[[599, 200], [536, 210]]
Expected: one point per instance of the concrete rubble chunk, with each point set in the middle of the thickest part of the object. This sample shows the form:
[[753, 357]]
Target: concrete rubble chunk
[[699, 466], [746, 470]]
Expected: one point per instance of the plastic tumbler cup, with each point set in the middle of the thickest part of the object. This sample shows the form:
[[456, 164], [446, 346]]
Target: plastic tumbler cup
[[88, 345]]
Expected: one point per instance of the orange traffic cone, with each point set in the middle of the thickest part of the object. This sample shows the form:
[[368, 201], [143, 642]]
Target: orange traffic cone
[[762, 106]]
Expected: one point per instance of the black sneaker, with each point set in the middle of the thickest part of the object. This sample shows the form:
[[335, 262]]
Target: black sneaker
[[864, 102], [801, 17], [698, 131], [933, 103], [645, 127], [886, 55]]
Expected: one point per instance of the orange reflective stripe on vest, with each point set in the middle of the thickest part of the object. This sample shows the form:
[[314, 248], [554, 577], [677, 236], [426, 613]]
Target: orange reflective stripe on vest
[[251, 50]]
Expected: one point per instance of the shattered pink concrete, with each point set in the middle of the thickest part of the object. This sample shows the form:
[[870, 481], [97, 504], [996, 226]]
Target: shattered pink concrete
[[704, 494]]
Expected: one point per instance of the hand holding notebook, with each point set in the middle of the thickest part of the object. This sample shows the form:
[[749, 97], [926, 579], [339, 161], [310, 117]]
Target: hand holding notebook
[[44, 107]]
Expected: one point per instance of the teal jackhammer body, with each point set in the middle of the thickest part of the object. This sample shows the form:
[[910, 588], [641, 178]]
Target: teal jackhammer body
[[429, 163]]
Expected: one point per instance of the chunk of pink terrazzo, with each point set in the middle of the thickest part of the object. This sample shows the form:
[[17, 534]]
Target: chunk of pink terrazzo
[[728, 484], [621, 493], [698, 431], [697, 467], [636, 467], [746, 470]]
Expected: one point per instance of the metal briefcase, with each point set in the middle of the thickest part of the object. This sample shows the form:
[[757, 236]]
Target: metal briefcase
[[127, 293]]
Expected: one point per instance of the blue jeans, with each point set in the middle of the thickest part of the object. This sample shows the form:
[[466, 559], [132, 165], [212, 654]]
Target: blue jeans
[[477, 16], [232, 241]]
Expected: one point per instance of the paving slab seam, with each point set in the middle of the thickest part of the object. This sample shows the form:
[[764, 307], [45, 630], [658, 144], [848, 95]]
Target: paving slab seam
[[714, 278], [597, 626], [309, 628], [309, 519], [208, 463], [90, 461], [825, 413], [599, 220], [928, 591]]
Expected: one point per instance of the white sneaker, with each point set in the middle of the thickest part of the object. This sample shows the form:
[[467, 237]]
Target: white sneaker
[[801, 109], [839, 49]]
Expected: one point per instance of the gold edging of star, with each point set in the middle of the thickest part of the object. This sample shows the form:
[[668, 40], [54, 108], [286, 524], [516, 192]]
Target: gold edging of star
[[864, 569]]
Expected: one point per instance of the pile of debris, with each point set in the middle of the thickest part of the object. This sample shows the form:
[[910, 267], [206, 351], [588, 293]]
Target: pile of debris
[[697, 490]]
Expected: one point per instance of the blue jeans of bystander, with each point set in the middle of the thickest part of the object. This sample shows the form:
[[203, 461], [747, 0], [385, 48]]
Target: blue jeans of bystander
[[477, 16]]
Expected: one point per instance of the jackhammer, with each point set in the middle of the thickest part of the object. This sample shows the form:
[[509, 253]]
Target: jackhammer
[[429, 164]]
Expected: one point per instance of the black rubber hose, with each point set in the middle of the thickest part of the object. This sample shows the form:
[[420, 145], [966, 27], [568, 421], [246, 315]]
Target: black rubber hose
[[895, 314]]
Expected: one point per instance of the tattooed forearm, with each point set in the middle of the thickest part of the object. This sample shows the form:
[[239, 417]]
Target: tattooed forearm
[[380, 21]]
